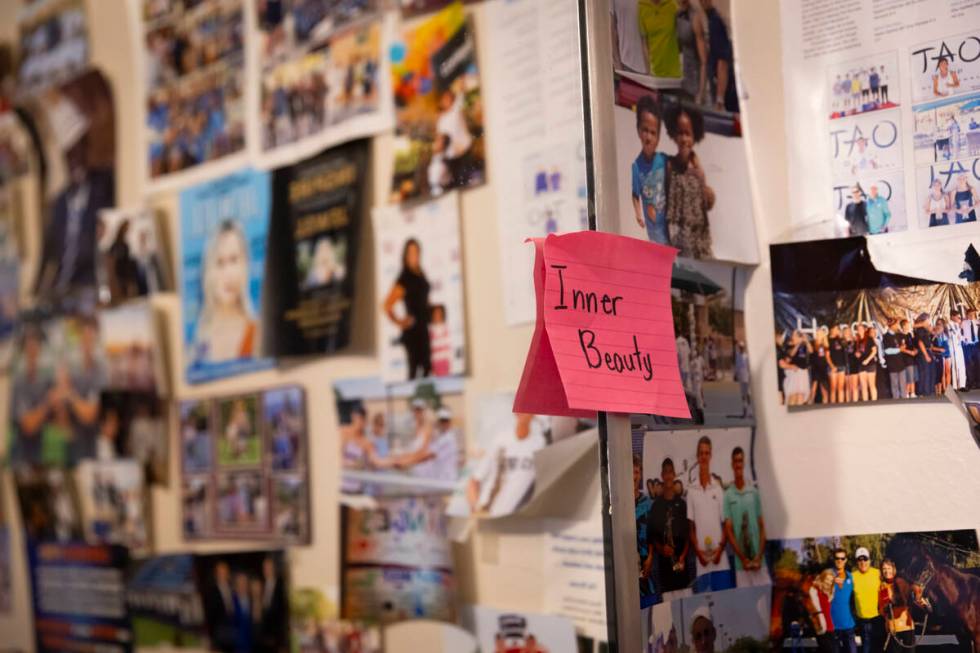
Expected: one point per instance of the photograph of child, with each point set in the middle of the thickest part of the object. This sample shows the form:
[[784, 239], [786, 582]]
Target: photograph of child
[[439, 141], [114, 504], [883, 591], [400, 439], [947, 130], [240, 435], [690, 160], [194, 85], [224, 232], [57, 375], [131, 259], [420, 278], [698, 515]]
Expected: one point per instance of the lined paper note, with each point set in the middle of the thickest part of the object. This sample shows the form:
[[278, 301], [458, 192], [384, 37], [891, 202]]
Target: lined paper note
[[607, 315]]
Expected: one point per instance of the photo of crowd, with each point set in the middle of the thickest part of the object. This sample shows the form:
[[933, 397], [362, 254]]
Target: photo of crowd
[[131, 261], [872, 338], [317, 628], [439, 142], [130, 344], [947, 195], [323, 87], [684, 44], [400, 439], [726, 622], [114, 504], [707, 302], [947, 130], [879, 592], [53, 44], [57, 375], [194, 62], [699, 523], [856, 87], [245, 467], [870, 204], [419, 275], [500, 470], [245, 601]]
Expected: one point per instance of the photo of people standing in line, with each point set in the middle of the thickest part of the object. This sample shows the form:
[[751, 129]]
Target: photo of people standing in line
[[419, 279], [439, 144], [245, 601], [861, 86], [58, 374], [400, 439], [876, 592], [682, 44], [699, 520]]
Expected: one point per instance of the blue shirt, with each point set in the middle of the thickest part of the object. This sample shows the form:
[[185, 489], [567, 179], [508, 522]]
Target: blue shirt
[[650, 187], [840, 606], [643, 505], [876, 208]]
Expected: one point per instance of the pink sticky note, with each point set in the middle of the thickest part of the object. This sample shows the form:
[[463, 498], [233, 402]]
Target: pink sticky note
[[604, 329]]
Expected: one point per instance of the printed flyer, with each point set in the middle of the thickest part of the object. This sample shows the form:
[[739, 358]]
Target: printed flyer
[[312, 254], [224, 234], [897, 102]]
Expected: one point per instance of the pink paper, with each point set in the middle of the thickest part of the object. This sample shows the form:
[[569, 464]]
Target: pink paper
[[605, 324]]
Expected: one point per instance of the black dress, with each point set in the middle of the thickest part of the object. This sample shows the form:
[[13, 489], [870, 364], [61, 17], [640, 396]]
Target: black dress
[[415, 338]]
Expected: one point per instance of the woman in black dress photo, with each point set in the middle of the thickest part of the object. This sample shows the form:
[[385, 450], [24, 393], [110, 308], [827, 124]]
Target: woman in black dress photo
[[412, 289]]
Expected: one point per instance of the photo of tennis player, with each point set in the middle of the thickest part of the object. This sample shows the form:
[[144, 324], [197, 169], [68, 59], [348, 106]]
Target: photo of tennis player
[[869, 84], [944, 67], [194, 85], [947, 130], [239, 434], [400, 439], [948, 194], [439, 142]]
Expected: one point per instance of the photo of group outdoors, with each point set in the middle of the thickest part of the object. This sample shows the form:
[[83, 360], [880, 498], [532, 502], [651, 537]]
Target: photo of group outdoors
[[194, 84], [58, 372], [400, 439], [500, 470], [419, 276], [684, 44], [682, 168], [245, 598], [708, 306], [439, 141], [727, 622], [869, 84], [865, 336], [132, 260], [244, 466], [316, 627], [53, 44], [320, 66], [874, 592], [114, 504], [397, 562], [947, 129], [131, 344], [699, 523], [944, 67]]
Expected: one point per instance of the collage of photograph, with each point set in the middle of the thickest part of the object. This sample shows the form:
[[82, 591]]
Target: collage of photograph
[[245, 467], [194, 62]]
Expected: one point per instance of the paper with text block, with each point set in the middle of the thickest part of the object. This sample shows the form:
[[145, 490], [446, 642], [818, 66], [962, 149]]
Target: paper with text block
[[605, 325]]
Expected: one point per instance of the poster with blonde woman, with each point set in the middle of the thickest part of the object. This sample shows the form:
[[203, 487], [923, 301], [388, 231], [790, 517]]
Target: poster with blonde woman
[[224, 226]]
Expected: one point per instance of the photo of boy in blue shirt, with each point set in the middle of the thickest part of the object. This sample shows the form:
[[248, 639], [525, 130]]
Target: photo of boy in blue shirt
[[649, 173]]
